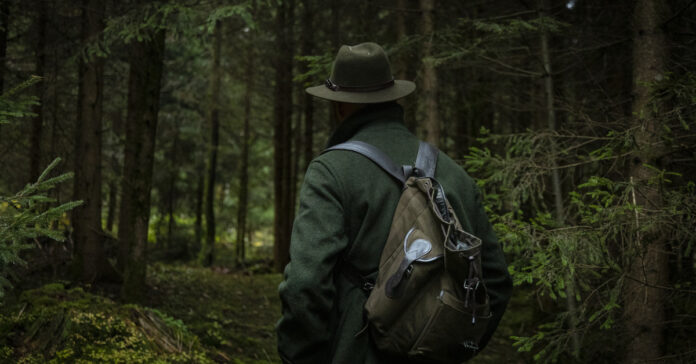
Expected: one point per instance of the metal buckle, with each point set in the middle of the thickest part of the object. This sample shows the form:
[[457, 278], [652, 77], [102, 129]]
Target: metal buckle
[[368, 286]]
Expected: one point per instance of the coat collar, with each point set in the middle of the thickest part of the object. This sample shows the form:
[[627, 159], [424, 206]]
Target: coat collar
[[373, 112]]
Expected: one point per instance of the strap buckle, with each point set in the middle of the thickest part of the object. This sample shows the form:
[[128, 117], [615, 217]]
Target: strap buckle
[[367, 286]]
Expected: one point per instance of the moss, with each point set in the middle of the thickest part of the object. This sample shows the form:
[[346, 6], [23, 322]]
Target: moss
[[196, 315], [55, 325]]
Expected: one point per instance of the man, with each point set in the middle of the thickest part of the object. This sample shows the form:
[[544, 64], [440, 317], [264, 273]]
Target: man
[[346, 209]]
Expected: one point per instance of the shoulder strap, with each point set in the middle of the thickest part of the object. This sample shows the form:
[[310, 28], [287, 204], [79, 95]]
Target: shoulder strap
[[426, 161], [375, 155]]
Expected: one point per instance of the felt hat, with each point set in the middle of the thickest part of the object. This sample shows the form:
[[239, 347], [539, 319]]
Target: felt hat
[[361, 74]]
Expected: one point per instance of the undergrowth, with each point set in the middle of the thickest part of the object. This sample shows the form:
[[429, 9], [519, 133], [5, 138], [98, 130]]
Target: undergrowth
[[194, 315]]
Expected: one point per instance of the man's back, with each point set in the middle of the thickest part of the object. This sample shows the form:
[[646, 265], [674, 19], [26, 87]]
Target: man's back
[[346, 209]]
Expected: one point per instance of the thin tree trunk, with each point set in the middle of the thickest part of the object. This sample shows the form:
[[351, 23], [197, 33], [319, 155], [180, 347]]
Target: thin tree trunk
[[555, 177], [111, 209], [209, 248], [198, 224], [307, 48], [4, 26], [144, 81], [404, 68], [171, 189], [335, 31], [643, 301], [90, 263], [432, 119], [244, 172], [37, 121], [282, 136]]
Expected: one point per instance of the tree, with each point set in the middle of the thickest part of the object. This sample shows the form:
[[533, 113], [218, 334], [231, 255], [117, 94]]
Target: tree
[[146, 64], [90, 262], [649, 268], [429, 83], [214, 120], [243, 196], [308, 106], [4, 25], [37, 121], [282, 136]]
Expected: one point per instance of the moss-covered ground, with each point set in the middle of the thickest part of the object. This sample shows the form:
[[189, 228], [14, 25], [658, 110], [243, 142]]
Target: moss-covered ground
[[192, 315]]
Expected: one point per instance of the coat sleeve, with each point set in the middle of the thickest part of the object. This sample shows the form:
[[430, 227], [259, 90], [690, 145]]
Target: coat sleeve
[[308, 292], [495, 273]]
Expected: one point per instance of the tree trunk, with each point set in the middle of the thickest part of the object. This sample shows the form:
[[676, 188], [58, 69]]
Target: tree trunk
[[37, 121], [643, 301], [90, 263], [335, 31], [4, 26], [209, 248], [198, 224], [432, 119], [308, 108], [144, 80], [549, 93], [171, 188], [405, 69], [244, 170], [282, 136], [111, 209]]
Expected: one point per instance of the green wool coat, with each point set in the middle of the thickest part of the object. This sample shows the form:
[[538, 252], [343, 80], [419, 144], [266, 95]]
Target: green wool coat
[[346, 209]]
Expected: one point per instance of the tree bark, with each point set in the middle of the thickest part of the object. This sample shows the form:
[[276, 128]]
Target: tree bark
[[335, 32], [144, 80], [90, 263], [432, 118], [4, 26], [37, 121], [243, 196], [644, 308], [559, 215], [209, 249], [308, 108], [282, 136], [198, 224], [171, 188], [111, 209]]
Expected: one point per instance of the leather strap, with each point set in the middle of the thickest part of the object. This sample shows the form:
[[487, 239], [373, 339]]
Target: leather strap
[[426, 161], [373, 154]]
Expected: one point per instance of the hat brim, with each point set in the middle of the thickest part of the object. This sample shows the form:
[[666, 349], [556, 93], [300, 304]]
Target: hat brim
[[400, 89]]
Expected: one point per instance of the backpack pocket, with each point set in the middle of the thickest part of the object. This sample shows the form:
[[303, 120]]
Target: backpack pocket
[[452, 332]]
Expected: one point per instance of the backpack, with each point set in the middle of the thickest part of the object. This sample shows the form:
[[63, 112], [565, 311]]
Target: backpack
[[429, 302]]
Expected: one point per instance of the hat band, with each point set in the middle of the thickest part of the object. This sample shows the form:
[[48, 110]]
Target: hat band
[[334, 87]]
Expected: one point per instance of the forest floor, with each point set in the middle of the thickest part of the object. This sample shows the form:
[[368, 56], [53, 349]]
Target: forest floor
[[193, 314]]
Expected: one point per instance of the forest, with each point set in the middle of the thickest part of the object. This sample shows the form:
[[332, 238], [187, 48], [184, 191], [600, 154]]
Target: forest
[[152, 152]]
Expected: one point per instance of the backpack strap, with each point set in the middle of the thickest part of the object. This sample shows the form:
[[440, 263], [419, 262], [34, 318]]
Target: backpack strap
[[375, 155], [426, 161]]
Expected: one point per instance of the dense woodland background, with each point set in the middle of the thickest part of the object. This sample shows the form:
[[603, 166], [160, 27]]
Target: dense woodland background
[[183, 133]]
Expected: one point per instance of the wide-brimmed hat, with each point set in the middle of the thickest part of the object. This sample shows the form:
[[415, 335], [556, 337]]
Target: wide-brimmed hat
[[361, 74]]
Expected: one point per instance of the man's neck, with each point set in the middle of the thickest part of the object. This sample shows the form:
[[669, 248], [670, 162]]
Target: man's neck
[[344, 110]]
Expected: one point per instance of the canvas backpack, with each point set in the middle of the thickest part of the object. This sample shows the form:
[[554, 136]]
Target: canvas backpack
[[429, 302]]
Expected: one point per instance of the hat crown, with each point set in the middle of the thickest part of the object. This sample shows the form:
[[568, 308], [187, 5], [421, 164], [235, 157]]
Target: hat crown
[[362, 65]]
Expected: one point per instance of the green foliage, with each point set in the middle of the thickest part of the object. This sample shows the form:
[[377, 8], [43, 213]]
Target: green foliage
[[27, 215], [14, 106], [593, 247]]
